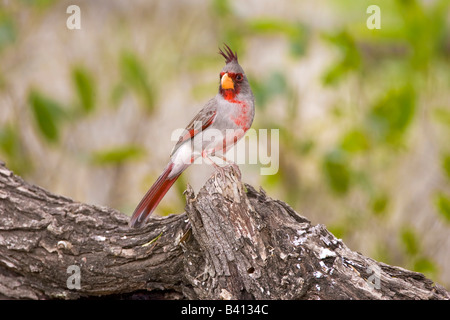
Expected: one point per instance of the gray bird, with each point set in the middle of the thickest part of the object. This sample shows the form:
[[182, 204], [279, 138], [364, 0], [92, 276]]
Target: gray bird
[[215, 129]]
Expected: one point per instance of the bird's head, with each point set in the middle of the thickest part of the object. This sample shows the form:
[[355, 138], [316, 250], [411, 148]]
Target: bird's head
[[233, 80]]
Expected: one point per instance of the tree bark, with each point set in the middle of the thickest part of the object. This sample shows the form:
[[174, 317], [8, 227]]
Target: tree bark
[[232, 242]]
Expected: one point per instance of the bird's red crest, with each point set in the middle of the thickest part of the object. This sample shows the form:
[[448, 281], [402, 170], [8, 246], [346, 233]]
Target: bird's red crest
[[228, 54]]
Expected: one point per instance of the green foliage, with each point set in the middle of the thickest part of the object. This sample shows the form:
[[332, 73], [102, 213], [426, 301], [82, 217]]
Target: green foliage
[[301, 147], [446, 165], [337, 171], [296, 32], [349, 60], [417, 260], [391, 115], [442, 115], [355, 141], [424, 29], [117, 155], [7, 30], [379, 203], [409, 241], [47, 114], [85, 89], [12, 150], [273, 180], [426, 266], [40, 4], [442, 203], [221, 8], [9, 140], [338, 230], [268, 88], [399, 69], [135, 77]]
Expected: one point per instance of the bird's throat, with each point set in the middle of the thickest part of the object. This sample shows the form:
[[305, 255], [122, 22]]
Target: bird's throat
[[229, 95]]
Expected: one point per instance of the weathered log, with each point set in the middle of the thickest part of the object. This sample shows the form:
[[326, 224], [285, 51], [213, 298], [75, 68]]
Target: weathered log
[[233, 242]]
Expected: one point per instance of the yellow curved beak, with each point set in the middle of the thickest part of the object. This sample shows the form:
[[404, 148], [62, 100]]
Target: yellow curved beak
[[226, 82]]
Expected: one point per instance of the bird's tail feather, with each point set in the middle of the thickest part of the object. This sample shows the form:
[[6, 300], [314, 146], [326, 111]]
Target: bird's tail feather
[[153, 196]]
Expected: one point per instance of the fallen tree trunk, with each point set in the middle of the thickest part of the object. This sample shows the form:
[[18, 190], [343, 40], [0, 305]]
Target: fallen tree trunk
[[232, 242]]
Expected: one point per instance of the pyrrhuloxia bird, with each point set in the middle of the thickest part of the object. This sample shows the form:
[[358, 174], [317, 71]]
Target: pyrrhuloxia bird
[[228, 115]]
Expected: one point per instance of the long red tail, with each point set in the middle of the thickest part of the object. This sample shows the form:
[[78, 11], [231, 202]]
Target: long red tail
[[152, 198]]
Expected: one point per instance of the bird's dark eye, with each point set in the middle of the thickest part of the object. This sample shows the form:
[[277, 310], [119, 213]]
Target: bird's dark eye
[[239, 77]]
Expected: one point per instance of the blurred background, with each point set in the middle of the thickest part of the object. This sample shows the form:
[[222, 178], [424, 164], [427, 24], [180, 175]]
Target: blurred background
[[364, 115]]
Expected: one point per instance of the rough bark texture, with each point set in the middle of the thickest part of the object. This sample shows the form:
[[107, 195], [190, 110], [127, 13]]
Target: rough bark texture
[[233, 242]]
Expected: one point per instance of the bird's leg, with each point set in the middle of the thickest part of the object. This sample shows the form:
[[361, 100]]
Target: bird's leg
[[206, 156], [232, 164], [219, 168], [229, 163]]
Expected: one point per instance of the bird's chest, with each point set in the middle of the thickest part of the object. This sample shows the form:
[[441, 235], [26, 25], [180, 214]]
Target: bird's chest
[[238, 115]]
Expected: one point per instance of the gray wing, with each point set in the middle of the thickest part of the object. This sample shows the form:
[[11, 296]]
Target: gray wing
[[202, 120]]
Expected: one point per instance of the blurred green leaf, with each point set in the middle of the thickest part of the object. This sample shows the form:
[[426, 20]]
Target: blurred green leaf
[[266, 89], [261, 96], [269, 25], [442, 203], [425, 29], [355, 141], [338, 230], [134, 75], [350, 58], [299, 41], [41, 4], [392, 114], [409, 241], [47, 114], [7, 30], [337, 171], [84, 86], [425, 265], [381, 251], [334, 74], [296, 33], [233, 36], [276, 83], [9, 140], [446, 164], [273, 180], [379, 203], [442, 115], [221, 8], [116, 94], [301, 147], [203, 90], [305, 146], [117, 155], [2, 82], [12, 151]]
